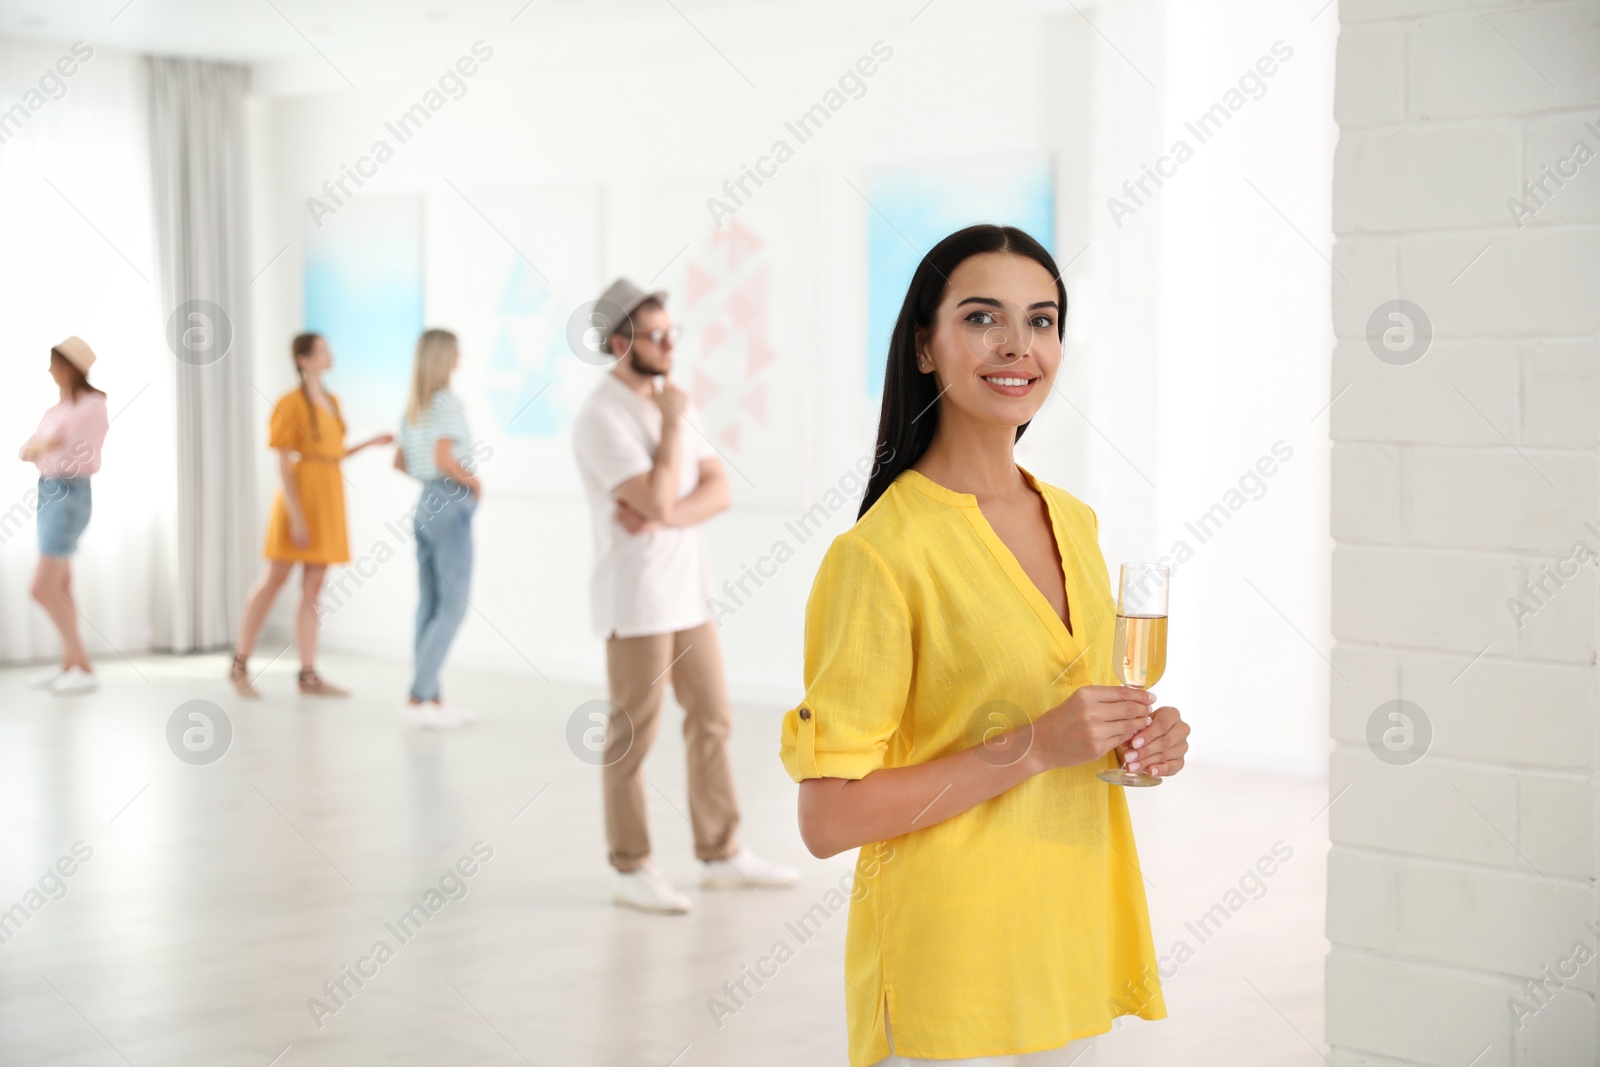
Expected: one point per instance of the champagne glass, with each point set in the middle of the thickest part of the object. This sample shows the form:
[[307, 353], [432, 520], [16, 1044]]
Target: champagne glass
[[1139, 652]]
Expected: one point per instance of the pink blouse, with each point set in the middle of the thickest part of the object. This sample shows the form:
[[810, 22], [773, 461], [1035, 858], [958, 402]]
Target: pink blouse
[[80, 425]]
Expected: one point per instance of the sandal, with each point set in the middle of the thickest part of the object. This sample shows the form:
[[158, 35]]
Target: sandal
[[313, 683], [239, 675]]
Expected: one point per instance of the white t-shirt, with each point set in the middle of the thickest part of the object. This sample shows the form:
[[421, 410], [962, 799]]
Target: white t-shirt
[[647, 583]]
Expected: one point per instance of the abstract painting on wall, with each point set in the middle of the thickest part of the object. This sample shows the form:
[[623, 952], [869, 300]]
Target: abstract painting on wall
[[363, 292], [744, 292], [513, 267], [914, 207]]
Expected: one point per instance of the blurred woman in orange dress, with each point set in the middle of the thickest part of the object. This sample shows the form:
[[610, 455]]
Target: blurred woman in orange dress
[[307, 524]]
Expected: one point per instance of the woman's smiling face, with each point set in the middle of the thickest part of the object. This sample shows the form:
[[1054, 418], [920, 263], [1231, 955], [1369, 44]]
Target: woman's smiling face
[[995, 346]]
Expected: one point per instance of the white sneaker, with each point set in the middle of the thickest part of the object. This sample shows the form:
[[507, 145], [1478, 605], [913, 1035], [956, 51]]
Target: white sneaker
[[73, 681], [646, 889], [45, 679], [463, 716], [430, 716], [746, 870]]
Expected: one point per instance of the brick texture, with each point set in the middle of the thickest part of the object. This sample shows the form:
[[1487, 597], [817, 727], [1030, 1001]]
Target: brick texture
[[1466, 521]]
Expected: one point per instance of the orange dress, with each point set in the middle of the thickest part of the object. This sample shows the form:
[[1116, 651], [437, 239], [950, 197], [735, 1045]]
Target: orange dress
[[320, 445]]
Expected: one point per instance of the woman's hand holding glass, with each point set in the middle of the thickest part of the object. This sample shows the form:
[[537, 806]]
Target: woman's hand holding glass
[[1091, 722], [1159, 748]]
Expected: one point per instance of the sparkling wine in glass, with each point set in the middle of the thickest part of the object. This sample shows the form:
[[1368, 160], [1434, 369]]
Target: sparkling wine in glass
[[1139, 652]]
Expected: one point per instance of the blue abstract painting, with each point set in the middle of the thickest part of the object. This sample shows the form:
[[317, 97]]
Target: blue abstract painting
[[915, 207], [530, 342], [363, 292]]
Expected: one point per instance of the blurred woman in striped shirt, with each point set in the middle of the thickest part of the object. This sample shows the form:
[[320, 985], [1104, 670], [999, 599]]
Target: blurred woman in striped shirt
[[436, 450]]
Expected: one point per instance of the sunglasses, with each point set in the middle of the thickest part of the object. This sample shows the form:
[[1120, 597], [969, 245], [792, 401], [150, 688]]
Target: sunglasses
[[656, 337]]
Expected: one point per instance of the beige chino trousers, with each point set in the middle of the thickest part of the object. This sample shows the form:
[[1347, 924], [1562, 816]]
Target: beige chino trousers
[[638, 669]]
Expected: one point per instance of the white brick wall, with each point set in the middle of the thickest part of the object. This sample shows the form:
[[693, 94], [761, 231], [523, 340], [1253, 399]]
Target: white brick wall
[[1459, 877]]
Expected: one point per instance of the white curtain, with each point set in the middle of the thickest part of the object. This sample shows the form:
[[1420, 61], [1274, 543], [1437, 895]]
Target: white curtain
[[78, 259], [197, 171]]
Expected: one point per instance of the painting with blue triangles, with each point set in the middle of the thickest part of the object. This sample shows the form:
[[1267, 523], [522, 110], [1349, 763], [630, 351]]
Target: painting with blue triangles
[[520, 263], [525, 354]]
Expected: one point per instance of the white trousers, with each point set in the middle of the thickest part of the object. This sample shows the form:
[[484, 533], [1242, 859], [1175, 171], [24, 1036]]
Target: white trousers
[[1080, 1053]]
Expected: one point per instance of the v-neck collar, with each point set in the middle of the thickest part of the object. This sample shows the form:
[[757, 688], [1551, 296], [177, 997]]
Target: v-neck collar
[[1069, 641], [331, 410]]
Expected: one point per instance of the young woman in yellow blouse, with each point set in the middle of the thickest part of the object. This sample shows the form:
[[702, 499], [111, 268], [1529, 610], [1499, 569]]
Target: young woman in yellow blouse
[[307, 525], [960, 700]]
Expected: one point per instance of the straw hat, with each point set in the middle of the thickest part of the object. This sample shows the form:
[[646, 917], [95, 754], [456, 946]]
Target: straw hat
[[76, 350]]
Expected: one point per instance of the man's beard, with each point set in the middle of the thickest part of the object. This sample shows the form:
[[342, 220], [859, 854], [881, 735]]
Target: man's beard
[[640, 367]]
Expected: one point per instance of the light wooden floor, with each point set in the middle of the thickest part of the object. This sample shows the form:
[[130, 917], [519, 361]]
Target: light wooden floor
[[219, 898]]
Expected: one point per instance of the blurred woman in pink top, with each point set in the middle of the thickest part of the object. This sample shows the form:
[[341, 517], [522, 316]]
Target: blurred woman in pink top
[[66, 448]]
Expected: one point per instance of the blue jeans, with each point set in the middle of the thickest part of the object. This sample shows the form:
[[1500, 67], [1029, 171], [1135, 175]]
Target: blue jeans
[[443, 525]]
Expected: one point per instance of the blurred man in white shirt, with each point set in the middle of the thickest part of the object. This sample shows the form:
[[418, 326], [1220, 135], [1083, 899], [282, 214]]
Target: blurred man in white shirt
[[651, 478]]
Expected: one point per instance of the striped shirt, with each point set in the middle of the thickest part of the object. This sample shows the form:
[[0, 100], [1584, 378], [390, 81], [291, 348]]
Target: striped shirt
[[445, 418]]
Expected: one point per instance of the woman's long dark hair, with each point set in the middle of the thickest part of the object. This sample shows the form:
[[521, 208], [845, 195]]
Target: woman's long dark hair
[[300, 348], [910, 412], [79, 383]]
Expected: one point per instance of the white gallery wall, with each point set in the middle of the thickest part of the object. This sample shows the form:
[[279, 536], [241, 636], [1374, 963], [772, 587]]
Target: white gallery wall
[[1197, 336], [1200, 391]]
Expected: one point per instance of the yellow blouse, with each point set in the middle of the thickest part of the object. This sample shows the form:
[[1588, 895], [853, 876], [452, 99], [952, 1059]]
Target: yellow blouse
[[1020, 924]]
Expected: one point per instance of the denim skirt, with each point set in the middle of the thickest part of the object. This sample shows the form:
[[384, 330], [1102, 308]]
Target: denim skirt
[[64, 507]]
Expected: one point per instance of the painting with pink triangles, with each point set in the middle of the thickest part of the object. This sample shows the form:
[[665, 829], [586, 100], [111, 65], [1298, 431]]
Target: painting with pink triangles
[[745, 294], [728, 289]]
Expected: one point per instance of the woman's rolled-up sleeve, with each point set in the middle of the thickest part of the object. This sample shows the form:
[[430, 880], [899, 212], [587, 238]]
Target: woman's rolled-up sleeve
[[858, 659]]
